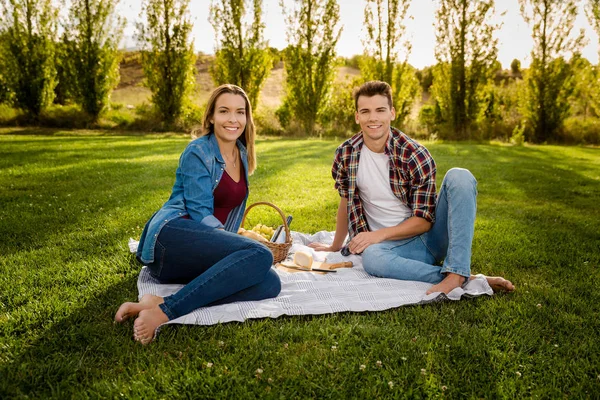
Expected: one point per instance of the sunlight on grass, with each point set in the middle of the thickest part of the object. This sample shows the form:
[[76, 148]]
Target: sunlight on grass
[[71, 202]]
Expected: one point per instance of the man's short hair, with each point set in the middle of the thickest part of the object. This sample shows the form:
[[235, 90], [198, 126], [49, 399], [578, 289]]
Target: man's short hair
[[373, 88]]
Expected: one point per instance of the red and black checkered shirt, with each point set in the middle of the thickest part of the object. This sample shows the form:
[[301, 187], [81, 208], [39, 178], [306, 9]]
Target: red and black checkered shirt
[[412, 177]]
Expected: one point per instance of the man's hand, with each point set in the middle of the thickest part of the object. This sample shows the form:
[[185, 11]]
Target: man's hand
[[360, 242], [323, 247]]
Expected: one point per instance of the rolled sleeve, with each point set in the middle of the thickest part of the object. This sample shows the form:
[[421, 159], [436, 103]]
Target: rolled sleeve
[[423, 197], [340, 174], [197, 189]]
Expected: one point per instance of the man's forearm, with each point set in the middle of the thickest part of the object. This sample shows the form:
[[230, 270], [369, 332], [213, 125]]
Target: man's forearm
[[408, 228], [341, 224]]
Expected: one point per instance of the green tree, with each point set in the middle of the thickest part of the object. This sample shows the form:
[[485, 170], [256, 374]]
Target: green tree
[[384, 22], [310, 60], [515, 67], [549, 80], [92, 35], [4, 90], [243, 56], [593, 13], [466, 51], [167, 55], [592, 10], [29, 28], [585, 91]]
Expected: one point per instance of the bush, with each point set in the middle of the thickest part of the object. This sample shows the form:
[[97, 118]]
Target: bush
[[581, 130], [267, 123]]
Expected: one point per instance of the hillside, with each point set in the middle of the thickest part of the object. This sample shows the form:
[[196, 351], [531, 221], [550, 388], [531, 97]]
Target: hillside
[[131, 90]]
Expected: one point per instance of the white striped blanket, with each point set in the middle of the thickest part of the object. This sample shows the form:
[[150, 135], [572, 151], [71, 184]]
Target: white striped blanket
[[307, 293]]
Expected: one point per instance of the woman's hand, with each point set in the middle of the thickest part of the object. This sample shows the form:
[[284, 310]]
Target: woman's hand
[[323, 247]]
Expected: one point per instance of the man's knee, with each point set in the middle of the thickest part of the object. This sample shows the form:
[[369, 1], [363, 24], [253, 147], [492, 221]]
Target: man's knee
[[371, 260], [460, 177]]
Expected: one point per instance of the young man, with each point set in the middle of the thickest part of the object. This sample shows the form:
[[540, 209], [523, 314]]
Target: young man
[[388, 203]]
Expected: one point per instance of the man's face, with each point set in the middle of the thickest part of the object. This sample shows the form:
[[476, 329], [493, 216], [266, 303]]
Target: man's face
[[374, 116]]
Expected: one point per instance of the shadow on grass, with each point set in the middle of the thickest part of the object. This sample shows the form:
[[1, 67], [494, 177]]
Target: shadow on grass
[[61, 359]]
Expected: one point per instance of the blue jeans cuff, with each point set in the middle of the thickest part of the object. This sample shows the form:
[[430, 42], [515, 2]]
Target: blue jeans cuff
[[457, 271], [167, 311]]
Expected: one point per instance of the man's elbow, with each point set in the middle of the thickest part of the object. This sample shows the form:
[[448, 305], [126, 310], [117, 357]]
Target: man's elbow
[[426, 225]]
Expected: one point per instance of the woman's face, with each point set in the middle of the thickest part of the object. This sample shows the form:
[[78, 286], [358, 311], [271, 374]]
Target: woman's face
[[229, 118]]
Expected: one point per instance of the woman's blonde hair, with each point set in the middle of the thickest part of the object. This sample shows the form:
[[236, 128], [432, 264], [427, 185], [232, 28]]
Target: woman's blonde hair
[[249, 132]]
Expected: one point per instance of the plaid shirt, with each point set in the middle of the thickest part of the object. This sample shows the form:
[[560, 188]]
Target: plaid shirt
[[412, 178]]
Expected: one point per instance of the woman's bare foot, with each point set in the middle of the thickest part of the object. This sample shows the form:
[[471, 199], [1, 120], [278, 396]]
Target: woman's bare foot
[[448, 284], [131, 309], [144, 327], [499, 284]]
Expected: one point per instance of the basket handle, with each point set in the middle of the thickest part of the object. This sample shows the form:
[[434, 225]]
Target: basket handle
[[265, 203]]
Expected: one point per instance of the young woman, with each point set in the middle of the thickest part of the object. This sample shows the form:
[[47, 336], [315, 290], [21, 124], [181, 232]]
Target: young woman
[[193, 238]]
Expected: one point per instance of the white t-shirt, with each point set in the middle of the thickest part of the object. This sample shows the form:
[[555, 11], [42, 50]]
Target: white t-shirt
[[382, 209]]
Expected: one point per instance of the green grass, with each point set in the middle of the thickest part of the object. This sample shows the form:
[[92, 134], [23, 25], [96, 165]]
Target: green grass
[[70, 201]]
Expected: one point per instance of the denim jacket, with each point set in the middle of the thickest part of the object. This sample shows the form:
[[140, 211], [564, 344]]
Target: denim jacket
[[200, 169]]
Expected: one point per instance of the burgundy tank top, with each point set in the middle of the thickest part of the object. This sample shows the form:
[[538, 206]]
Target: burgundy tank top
[[228, 195]]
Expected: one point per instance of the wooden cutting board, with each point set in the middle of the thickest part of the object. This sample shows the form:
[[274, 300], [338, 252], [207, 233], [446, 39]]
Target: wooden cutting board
[[316, 264]]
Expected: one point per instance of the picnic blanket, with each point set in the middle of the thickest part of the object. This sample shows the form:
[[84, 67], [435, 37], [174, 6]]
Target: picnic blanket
[[308, 293]]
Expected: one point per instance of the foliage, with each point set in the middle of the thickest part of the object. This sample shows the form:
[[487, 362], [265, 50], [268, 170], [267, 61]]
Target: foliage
[[593, 14], [64, 91], [592, 11], [339, 117], [74, 198], [243, 57], [384, 22], [310, 60], [167, 56], [27, 50], [466, 51], [550, 82], [4, 89], [91, 40], [425, 77], [585, 100], [515, 66]]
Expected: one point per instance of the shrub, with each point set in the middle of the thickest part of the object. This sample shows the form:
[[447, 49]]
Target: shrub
[[581, 130]]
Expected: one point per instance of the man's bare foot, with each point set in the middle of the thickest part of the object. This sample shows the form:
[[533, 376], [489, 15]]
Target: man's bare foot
[[499, 284], [449, 283], [131, 309], [144, 327]]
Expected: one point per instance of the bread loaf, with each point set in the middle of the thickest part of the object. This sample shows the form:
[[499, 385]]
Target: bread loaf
[[251, 235]]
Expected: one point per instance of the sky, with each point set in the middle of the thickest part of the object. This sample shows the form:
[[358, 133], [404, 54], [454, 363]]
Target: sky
[[514, 35]]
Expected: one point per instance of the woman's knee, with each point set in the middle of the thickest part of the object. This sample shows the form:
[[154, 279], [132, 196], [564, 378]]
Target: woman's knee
[[271, 284]]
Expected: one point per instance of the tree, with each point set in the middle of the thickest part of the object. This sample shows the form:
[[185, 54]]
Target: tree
[[243, 56], [92, 35], [515, 67], [584, 92], [4, 90], [167, 55], [28, 52], [549, 80], [466, 52], [384, 22], [310, 59], [593, 14]]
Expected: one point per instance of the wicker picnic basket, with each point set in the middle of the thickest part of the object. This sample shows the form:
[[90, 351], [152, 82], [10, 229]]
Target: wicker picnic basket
[[279, 250]]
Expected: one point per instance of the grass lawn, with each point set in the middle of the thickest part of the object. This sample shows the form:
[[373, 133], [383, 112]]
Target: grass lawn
[[69, 204]]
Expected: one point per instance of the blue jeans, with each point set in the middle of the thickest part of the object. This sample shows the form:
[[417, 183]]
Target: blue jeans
[[217, 267], [449, 239]]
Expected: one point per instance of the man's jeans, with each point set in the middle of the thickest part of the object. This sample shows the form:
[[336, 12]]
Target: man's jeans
[[450, 238], [217, 267]]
